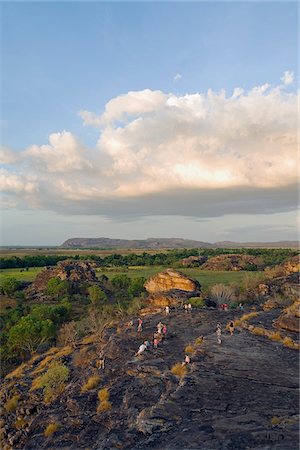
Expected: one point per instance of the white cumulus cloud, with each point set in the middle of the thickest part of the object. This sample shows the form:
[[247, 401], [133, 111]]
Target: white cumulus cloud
[[287, 78], [201, 154]]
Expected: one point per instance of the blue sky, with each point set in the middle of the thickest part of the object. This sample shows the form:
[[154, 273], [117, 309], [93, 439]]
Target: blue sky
[[60, 58]]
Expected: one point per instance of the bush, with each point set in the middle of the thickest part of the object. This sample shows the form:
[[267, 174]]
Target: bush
[[9, 286], [56, 287], [52, 381], [51, 429], [97, 295], [68, 334], [179, 370], [103, 406], [221, 293], [12, 403], [91, 383], [189, 349], [197, 302], [103, 395]]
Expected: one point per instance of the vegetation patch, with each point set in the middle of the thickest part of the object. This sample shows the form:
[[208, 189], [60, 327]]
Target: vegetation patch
[[52, 381], [12, 403], [245, 318], [179, 370], [104, 403], [17, 373], [91, 383], [51, 429]]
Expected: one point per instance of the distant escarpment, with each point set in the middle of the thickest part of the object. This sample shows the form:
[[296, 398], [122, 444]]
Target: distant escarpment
[[159, 243]]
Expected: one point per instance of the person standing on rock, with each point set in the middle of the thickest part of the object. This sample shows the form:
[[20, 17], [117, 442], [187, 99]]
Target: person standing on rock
[[159, 327], [101, 364], [231, 327], [155, 342], [167, 310], [189, 308], [164, 330], [185, 307], [187, 360], [219, 333], [140, 328]]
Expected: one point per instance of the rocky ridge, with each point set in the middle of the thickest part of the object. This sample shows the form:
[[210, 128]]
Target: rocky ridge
[[238, 395]]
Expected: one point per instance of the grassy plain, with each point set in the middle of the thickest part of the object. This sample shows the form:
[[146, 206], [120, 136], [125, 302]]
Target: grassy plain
[[207, 278], [9, 252]]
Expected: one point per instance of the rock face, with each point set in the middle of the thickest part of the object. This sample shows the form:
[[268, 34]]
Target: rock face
[[290, 319], [292, 265], [72, 271], [171, 288], [171, 280], [194, 261], [227, 401], [232, 262]]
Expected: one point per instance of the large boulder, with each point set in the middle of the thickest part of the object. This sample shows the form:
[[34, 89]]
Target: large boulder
[[171, 288], [290, 319], [171, 280], [193, 261]]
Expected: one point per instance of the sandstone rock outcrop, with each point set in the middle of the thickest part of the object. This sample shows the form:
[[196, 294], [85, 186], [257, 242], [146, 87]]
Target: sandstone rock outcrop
[[69, 270], [171, 288], [232, 262], [171, 280], [194, 261], [290, 319]]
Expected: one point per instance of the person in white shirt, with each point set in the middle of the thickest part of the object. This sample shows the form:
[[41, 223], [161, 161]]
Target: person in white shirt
[[141, 349]]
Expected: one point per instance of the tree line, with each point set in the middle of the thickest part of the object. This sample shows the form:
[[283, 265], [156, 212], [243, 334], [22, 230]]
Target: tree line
[[271, 257]]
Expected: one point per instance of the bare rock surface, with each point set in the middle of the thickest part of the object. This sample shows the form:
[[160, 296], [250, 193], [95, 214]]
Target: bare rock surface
[[242, 394], [232, 262]]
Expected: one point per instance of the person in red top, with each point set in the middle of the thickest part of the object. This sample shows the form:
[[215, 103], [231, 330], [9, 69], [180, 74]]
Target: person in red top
[[140, 325]]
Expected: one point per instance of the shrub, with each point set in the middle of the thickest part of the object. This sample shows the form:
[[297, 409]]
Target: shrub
[[91, 383], [103, 395], [68, 334], [275, 421], [20, 423], [51, 429], [179, 370], [275, 336], [103, 406], [56, 287], [189, 348], [221, 293], [12, 403], [83, 358], [197, 301], [97, 295], [52, 381], [259, 331], [9, 285], [199, 340]]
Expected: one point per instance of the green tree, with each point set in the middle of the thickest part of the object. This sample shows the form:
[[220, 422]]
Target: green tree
[[97, 295], [9, 286], [57, 287], [136, 287], [29, 333]]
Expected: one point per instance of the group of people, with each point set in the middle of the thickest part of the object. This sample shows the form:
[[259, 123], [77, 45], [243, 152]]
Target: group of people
[[158, 335]]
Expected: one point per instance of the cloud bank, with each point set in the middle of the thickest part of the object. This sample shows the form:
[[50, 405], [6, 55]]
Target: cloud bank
[[201, 155]]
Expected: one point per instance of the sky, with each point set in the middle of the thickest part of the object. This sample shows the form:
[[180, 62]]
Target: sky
[[148, 119]]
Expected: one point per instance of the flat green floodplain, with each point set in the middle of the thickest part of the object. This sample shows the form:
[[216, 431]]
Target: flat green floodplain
[[207, 278]]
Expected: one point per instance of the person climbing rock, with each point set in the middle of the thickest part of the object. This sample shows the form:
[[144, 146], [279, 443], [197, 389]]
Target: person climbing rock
[[187, 360], [140, 325], [101, 363], [141, 349], [167, 310], [231, 327], [164, 330], [147, 343]]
